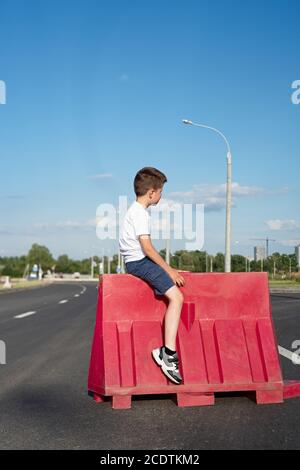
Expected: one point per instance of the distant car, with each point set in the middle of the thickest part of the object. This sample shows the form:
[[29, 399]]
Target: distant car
[[32, 277], [76, 275]]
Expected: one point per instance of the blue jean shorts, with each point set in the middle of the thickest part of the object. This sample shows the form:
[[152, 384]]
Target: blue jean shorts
[[152, 273]]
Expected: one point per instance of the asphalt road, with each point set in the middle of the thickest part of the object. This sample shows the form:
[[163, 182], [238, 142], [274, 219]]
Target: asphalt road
[[43, 387]]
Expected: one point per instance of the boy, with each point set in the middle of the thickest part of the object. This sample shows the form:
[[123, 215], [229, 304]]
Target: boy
[[142, 260]]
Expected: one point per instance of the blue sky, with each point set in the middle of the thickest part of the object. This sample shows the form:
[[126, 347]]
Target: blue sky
[[96, 90]]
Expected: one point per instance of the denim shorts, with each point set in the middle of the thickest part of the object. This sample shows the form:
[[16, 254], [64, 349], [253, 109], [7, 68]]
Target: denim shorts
[[152, 273]]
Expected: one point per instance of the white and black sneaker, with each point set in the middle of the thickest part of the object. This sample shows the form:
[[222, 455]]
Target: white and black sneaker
[[168, 364]]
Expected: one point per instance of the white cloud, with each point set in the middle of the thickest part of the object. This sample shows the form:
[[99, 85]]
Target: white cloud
[[104, 221], [279, 224], [283, 190], [213, 196], [100, 176], [62, 225], [74, 224], [166, 203]]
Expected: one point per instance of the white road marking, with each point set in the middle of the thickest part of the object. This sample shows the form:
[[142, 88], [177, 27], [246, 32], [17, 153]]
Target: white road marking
[[285, 352], [64, 301], [23, 315], [292, 356]]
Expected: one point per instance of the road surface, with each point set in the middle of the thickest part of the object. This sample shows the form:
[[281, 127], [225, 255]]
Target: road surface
[[43, 386]]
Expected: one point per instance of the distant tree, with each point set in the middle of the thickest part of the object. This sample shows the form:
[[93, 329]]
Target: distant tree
[[195, 261], [63, 264], [219, 261], [238, 263], [85, 266], [13, 266], [39, 254], [199, 260]]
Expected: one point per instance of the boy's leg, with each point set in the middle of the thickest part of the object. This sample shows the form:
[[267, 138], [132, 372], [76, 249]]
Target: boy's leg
[[166, 356], [172, 316]]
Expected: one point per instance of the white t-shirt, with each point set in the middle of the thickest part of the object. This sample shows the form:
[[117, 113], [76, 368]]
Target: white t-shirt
[[136, 222]]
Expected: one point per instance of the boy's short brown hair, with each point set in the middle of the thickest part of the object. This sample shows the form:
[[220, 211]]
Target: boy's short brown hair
[[148, 178]]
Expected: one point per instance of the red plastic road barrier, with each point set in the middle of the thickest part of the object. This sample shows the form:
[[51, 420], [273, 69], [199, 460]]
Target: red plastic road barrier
[[226, 340]]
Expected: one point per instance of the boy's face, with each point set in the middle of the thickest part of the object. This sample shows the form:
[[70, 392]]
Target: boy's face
[[155, 195]]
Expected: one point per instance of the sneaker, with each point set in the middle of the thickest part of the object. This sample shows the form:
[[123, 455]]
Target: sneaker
[[168, 364]]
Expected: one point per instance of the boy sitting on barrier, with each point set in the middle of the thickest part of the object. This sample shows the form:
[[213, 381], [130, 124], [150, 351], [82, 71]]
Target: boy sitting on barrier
[[142, 260]]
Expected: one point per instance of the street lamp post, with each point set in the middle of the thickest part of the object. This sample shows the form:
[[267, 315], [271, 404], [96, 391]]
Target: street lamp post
[[168, 251], [228, 193], [119, 262], [92, 267]]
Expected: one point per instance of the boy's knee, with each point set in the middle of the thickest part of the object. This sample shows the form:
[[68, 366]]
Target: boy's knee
[[180, 297], [175, 294]]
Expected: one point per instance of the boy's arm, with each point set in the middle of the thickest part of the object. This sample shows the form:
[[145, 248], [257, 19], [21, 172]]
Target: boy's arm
[[150, 251]]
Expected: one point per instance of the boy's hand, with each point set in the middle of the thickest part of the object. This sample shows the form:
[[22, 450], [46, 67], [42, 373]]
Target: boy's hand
[[176, 277]]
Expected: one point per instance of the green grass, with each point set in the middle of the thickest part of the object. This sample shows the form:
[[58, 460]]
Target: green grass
[[283, 283], [22, 284]]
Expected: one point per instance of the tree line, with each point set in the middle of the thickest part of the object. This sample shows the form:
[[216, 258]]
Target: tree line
[[195, 261]]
